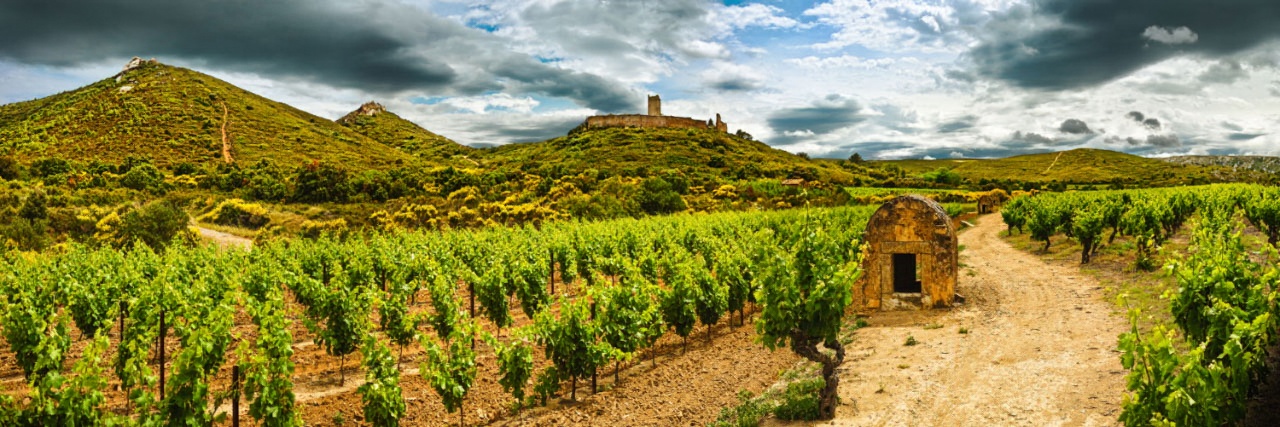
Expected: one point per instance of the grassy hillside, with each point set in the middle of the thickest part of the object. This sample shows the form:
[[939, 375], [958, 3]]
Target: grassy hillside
[[375, 122], [639, 151], [1080, 165], [173, 115]]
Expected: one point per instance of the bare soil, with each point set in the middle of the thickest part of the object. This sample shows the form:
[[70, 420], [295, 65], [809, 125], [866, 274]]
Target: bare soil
[[1039, 349]]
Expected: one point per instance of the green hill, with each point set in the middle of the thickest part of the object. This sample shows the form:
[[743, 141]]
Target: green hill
[[1081, 165], [639, 151], [375, 122], [173, 115]]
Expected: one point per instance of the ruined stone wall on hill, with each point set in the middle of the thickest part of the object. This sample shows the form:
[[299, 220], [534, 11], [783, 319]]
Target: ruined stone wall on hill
[[643, 121]]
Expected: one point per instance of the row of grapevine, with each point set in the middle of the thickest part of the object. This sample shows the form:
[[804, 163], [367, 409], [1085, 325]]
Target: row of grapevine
[[1149, 216], [1226, 313], [622, 286]]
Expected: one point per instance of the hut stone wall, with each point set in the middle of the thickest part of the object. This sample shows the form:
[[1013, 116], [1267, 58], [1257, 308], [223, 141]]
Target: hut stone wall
[[918, 231]]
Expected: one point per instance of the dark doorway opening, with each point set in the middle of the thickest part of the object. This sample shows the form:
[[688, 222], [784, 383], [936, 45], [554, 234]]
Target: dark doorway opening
[[905, 278]]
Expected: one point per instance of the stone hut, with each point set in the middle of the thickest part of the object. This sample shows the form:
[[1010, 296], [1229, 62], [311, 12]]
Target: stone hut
[[911, 260], [989, 203]]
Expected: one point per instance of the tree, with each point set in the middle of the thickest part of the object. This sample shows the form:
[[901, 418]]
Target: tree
[[156, 224], [856, 159], [658, 196], [803, 299]]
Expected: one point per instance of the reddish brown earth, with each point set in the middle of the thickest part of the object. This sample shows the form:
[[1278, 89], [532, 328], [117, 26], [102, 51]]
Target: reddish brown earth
[[681, 388]]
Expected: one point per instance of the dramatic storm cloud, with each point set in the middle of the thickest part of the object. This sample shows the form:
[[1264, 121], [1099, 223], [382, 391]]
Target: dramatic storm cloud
[[1061, 44], [378, 46], [913, 78]]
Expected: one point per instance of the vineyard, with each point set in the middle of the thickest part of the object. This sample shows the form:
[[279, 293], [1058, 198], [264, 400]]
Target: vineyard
[[187, 336], [1224, 305]]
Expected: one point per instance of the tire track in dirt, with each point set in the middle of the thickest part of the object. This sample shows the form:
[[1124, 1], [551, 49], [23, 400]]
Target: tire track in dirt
[[1040, 349]]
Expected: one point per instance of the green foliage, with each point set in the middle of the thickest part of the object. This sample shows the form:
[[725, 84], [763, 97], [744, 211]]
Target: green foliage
[[238, 213], [157, 225], [750, 412], [570, 341], [679, 301], [143, 177], [445, 308], [269, 368], [451, 370], [36, 333], [381, 394], [657, 196], [72, 400], [515, 365], [801, 400], [1225, 306], [320, 183]]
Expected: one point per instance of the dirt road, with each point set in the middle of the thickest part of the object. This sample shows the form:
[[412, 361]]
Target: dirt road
[[1039, 350]]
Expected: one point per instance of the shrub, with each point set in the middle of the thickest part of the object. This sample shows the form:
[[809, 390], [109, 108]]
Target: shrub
[[238, 213], [657, 196], [319, 183], [9, 169], [143, 177], [156, 225], [749, 412], [25, 234], [47, 167], [315, 229], [800, 401]]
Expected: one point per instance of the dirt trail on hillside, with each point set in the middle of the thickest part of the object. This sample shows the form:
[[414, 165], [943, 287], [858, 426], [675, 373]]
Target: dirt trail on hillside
[[1040, 350], [225, 240]]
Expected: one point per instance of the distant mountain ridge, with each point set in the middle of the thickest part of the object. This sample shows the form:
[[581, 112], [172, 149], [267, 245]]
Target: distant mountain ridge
[[1081, 165], [1267, 164]]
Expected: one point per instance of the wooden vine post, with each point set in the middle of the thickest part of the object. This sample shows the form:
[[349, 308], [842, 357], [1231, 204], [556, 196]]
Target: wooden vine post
[[235, 396]]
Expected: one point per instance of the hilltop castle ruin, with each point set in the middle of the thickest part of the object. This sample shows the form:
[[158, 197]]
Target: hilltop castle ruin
[[654, 119]]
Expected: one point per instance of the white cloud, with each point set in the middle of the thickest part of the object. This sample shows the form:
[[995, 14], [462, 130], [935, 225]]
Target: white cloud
[[497, 101], [1180, 35], [903, 25]]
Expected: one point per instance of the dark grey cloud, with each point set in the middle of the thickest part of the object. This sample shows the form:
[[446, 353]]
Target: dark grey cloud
[[1150, 122], [531, 130], [1075, 127], [378, 46], [736, 85], [1241, 136], [822, 117], [1032, 137], [1152, 141], [966, 122], [1062, 44], [1224, 72]]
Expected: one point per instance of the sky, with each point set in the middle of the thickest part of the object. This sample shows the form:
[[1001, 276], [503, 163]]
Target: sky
[[886, 79]]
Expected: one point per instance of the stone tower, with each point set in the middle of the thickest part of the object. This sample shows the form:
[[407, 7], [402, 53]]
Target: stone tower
[[655, 105]]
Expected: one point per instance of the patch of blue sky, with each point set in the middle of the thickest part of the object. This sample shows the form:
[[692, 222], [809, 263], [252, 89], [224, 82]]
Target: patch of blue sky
[[549, 104], [793, 8], [428, 100]]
